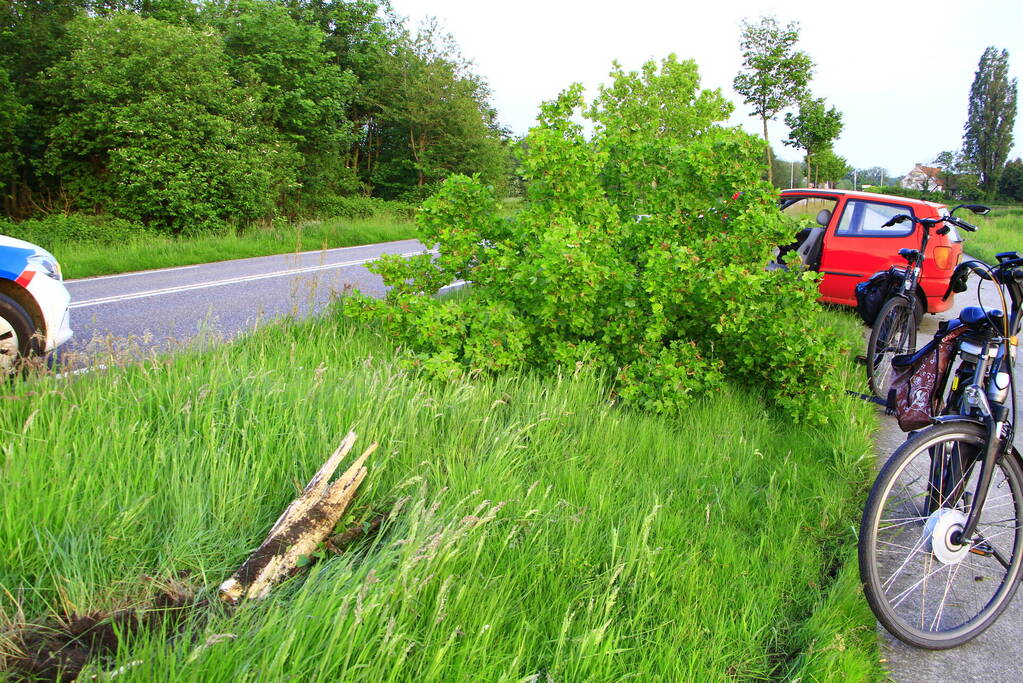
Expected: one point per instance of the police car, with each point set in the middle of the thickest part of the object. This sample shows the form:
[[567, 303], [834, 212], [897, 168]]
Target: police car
[[33, 303]]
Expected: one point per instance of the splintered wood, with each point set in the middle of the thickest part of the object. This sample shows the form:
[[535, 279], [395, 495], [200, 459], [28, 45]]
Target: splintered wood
[[306, 523]]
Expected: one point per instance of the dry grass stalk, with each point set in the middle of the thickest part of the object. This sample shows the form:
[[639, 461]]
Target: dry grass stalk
[[303, 526]]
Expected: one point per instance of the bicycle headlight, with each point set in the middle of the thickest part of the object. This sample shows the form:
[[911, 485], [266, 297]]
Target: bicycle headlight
[[44, 262]]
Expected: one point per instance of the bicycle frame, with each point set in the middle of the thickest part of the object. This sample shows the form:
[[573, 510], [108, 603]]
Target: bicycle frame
[[997, 357]]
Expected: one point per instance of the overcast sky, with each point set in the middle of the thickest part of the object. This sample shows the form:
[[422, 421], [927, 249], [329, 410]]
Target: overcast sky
[[899, 71]]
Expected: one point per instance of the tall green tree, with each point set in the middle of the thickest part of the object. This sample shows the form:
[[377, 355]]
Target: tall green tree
[[991, 115], [434, 117], [829, 168], [304, 94], [813, 129], [774, 74]]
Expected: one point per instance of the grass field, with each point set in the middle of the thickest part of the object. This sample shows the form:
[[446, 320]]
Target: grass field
[[540, 532], [1001, 230], [86, 260], [96, 247]]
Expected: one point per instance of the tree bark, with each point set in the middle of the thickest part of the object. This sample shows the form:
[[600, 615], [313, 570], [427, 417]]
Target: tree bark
[[770, 164], [303, 526]]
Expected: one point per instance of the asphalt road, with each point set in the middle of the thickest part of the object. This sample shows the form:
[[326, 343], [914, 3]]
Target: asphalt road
[[161, 310], [996, 654]]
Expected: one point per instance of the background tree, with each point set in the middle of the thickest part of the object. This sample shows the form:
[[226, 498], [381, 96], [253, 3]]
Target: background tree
[[304, 94], [775, 74], [813, 129], [958, 175], [1010, 186], [340, 97], [434, 117], [992, 113], [829, 168], [12, 116], [785, 173], [152, 127]]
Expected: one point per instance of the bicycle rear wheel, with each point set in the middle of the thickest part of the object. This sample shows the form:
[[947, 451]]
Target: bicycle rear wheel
[[926, 590], [894, 333]]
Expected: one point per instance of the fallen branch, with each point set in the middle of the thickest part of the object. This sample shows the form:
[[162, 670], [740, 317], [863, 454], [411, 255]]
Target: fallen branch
[[303, 526], [339, 543]]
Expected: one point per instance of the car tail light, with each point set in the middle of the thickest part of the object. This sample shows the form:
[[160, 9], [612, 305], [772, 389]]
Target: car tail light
[[944, 258]]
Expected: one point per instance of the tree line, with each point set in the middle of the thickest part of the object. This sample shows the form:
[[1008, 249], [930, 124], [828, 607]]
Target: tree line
[[188, 114], [775, 76]]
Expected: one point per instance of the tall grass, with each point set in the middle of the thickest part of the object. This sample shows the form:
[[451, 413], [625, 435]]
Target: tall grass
[[538, 531], [1001, 230]]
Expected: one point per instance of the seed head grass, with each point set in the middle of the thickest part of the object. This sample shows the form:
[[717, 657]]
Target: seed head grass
[[536, 530]]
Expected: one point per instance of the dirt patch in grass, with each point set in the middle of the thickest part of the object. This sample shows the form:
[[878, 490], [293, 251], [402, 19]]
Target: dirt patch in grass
[[59, 648]]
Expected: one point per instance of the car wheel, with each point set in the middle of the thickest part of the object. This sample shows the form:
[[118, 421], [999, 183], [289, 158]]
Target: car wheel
[[18, 340]]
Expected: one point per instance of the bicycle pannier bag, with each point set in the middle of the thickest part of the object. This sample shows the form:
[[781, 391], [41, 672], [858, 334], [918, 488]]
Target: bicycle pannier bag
[[915, 394], [871, 294]]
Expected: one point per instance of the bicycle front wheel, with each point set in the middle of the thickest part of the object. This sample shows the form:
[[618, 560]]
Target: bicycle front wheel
[[925, 589], [894, 333]]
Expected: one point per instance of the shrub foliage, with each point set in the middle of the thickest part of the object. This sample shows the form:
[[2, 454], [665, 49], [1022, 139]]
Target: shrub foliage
[[153, 129], [640, 251]]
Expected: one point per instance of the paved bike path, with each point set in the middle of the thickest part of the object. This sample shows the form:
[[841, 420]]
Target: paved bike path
[[996, 654]]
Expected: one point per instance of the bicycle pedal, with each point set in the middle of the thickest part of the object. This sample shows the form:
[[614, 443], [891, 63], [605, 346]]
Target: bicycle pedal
[[983, 549], [862, 360]]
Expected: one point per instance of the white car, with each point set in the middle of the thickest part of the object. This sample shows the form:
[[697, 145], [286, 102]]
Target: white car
[[33, 303]]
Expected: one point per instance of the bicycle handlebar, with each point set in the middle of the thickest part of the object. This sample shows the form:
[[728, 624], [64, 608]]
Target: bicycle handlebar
[[1006, 272], [931, 222]]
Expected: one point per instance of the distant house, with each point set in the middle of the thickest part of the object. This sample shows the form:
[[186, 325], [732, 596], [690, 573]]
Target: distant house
[[927, 178]]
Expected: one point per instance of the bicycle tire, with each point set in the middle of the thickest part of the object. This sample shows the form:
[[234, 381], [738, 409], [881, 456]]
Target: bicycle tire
[[903, 539], [894, 333]]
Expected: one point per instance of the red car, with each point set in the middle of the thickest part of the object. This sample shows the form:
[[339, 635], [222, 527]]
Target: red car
[[848, 244]]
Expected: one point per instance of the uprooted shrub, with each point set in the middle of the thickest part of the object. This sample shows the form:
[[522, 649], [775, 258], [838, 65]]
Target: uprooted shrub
[[640, 251]]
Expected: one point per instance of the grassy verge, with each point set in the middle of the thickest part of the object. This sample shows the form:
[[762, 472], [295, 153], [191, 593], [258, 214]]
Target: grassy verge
[[540, 532], [1001, 230], [122, 250]]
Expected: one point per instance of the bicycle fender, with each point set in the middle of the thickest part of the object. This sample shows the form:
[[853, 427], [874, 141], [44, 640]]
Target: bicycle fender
[[943, 419]]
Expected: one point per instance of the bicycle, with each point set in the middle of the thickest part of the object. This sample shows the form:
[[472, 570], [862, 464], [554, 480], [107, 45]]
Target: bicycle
[[941, 537], [894, 330]]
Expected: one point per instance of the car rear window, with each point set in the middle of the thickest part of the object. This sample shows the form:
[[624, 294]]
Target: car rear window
[[807, 207], [864, 218]]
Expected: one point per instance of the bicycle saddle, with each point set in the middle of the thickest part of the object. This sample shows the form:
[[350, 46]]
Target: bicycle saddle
[[975, 316]]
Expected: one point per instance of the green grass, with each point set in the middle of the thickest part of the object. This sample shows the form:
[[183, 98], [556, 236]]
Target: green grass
[[87, 259], [540, 532], [1001, 230]]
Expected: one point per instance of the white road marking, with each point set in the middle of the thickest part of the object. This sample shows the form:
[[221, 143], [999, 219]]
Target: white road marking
[[173, 268], [132, 274], [220, 283]]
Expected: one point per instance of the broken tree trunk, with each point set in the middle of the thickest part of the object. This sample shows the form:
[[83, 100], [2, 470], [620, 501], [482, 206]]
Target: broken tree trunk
[[306, 523]]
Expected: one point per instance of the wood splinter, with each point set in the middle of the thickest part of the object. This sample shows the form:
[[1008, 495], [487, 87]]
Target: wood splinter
[[306, 523]]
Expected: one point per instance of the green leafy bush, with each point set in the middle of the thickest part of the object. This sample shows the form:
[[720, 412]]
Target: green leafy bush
[[360, 206], [76, 228], [639, 251], [152, 128]]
